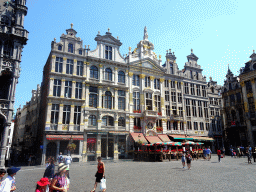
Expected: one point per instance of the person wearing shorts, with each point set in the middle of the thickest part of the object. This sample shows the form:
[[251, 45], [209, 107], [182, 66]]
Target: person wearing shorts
[[183, 159], [188, 158]]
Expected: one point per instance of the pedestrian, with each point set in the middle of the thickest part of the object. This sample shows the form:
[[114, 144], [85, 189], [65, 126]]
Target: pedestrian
[[249, 154], [100, 173], [9, 183], [183, 159], [219, 155], [42, 185], [204, 153], [189, 158], [59, 180], [208, 153], [60, 158], [29, 160], [68, 160], [49, 171], [67, 182], [2, 173], [223, 152]]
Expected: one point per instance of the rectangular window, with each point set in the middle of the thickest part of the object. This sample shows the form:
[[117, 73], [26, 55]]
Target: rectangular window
[[167, 108], [175, 125], [186, 88], [79, 68], [166, 83], [207, 126], [58, 64], [206, 115], [108, 52], [93, 98], [181, 126], [156, 83], [158, 103], [168, 125], [200, 111], [66, 114], [68, 89], [195, 126], [212, 111], [211, 101], [121, 99], [174, 110], [204, 91], [55, 114], [201, 126], [167, 96], [173, 96], [149, 101], [188, 112], [56, 87], [147, 81], [69, 66], [194, 108], [181, 111], [189, 125], [172, 84], [192, 89], [198, 92], [136, 101], [179, 85], [78, 90], [136, 122], [77, 115], [179, 98], [136, 80], [80, 51]]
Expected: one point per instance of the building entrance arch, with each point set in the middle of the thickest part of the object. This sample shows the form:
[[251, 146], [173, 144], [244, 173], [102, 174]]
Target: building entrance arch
[[51, 150]]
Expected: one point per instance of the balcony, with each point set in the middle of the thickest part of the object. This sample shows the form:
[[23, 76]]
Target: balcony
[[76, 127], [150, 113], [53, 127]]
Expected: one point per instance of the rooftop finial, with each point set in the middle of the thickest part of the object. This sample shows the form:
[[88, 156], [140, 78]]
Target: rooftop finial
[[145, 34], [71, 25], [191, 50], [98, 32], [108, 29], [253, 51], [117, 38], [167, 51], [170, 51], [54, 39]]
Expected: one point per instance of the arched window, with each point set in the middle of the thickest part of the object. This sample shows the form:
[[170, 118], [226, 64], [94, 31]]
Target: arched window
[[92, 120], [108, 74], [108, 100], [121, 122], [94, 72], [70, 48], [121, 77], [59, 47], [107, 121]]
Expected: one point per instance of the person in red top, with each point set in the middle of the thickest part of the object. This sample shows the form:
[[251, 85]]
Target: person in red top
[[99, 174], [219, 154]]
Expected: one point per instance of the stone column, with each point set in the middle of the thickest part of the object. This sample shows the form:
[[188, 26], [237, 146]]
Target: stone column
[[58, 149], [50, 92], [116, 122], [98, 146], [80, 149], [126, 146], [87, 95], [73, 89], [101, 77], [60, 117], [116, 147], [75, 67], [164, 124], [162, 97], [100, 104], [126, 79], [83, 92], [84, 70], [116, 99], [151, 82], [87, 70], [84, 155], [142, 85], [64, 65], [53, 63], [45, 142], [48, 115], [126, 100], [116, 75], [62, 90], [71, 122], [82, 127]]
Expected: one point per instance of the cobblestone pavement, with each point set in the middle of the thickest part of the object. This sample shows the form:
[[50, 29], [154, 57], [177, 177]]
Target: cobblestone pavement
[[232, 174]]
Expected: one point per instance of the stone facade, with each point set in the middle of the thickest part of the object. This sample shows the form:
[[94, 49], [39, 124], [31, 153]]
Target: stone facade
[[96, 98], [13, 37]]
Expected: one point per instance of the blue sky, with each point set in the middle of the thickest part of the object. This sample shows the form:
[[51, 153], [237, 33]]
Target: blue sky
[[220, 32]]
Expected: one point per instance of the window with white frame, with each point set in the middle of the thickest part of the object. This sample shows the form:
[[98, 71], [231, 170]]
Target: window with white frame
[[179, 85], [55, 114], [186, 88], [149, 102], [147, 81], [59, 64], [172, 84], [108, 100], [121, 122], [206, 115], [66, 114], [171, 68], [156, 84], [174, 110], [80, 52], [94, 72], [68, 89], [77, 115], [108, 74], [212, 111], [198, 92], [180, 111], [179, 98], [173, 96], [56, 87], [92, 120], [194, 108], [200, 110], [137, 122], [189, 125], [195, 126], [207, 126], [181, 126], [167, 96], [166, 83], [70, 48], [217, 112], [69, 66], [159, 123], [168, 125], [168, 111], [201, 126], [158, 102], [79, 68], [188, 112], [59, 47], [203, 91], [211, 101], [192, 88], [136, 101], [107, 121], [121, 99], [108, 52], [78, 90], [93, 98], [121, 77], [136, 80]]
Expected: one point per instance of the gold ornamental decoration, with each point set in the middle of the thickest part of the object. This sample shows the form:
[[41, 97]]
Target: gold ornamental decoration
[[252, 81], [242, 83], [130, 74], [100, 65], [249, 95], [152, 78], [161, 80], [246, 107], [53, 56], [142, 76], [64, 58]]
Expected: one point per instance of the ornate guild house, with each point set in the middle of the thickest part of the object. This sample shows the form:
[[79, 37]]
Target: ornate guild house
[[100, 100]]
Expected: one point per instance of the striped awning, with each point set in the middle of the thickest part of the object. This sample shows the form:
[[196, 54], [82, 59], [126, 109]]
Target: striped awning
[[164, 137], [153, 139], [138, 136], [64, 137]]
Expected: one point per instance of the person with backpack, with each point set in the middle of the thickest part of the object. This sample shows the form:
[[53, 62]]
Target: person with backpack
[[49, 171], [60, 158]]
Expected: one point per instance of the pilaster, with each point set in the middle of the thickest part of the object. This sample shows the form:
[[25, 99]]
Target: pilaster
[[116, 99], [73, 89], [98, 146], [115, 147], [62, 88], [53, 63], [84, 154], [50, 92], [75, 67], [60, 117], [101, 73], [116, 75], [100, 104], [64, 65], [71, 123]]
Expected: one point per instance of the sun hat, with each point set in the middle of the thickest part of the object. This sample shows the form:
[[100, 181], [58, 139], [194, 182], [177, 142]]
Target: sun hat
[[43, 182], [13, 170], [62, 167]]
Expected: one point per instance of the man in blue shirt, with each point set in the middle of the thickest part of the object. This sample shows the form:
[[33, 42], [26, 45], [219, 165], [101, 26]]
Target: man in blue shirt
[[208, 153]]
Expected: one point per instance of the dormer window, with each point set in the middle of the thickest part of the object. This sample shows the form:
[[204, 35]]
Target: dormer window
[[80, 51], [59, 47], [70, 48], [108, 52]]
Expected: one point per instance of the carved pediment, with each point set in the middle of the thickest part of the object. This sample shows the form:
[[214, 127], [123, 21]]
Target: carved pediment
[[108, 38]]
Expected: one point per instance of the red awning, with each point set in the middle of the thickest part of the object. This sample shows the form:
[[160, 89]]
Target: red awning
[[138, 136], [164, 138], [64, 137], [153, 139]]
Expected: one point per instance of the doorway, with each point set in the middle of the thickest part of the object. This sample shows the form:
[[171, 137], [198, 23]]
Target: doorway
[[51, 150]]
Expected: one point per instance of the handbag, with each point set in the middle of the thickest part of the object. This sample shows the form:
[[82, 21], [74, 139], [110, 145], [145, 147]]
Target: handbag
[[103, 183]]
